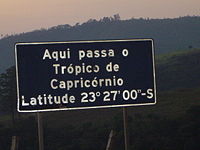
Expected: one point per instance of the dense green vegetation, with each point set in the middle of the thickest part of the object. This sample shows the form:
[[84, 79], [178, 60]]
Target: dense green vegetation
[[172, 124], [168, 34]]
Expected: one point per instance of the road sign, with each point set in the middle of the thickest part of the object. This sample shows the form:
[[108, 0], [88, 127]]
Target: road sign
[[55, 76]]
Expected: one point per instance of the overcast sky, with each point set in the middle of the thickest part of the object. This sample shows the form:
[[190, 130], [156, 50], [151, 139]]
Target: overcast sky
[[26, 15]]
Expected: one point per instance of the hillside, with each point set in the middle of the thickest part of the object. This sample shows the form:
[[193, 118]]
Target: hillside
[[178, 70], [168, 34]]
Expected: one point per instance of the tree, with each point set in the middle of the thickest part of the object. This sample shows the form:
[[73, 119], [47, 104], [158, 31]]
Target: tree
[[116, 17], [8, 92]]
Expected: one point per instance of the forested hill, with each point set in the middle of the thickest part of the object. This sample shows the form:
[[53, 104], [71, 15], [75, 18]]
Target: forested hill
[[178, 70], [168, 34]]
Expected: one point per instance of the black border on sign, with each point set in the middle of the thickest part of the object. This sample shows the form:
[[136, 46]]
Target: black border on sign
[[92, 107]]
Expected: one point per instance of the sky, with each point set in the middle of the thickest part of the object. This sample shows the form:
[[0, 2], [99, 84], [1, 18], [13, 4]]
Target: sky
[[17, 16]]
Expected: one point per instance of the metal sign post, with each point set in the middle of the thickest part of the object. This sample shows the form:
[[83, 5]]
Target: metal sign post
[[126, 132], [40, 131]]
